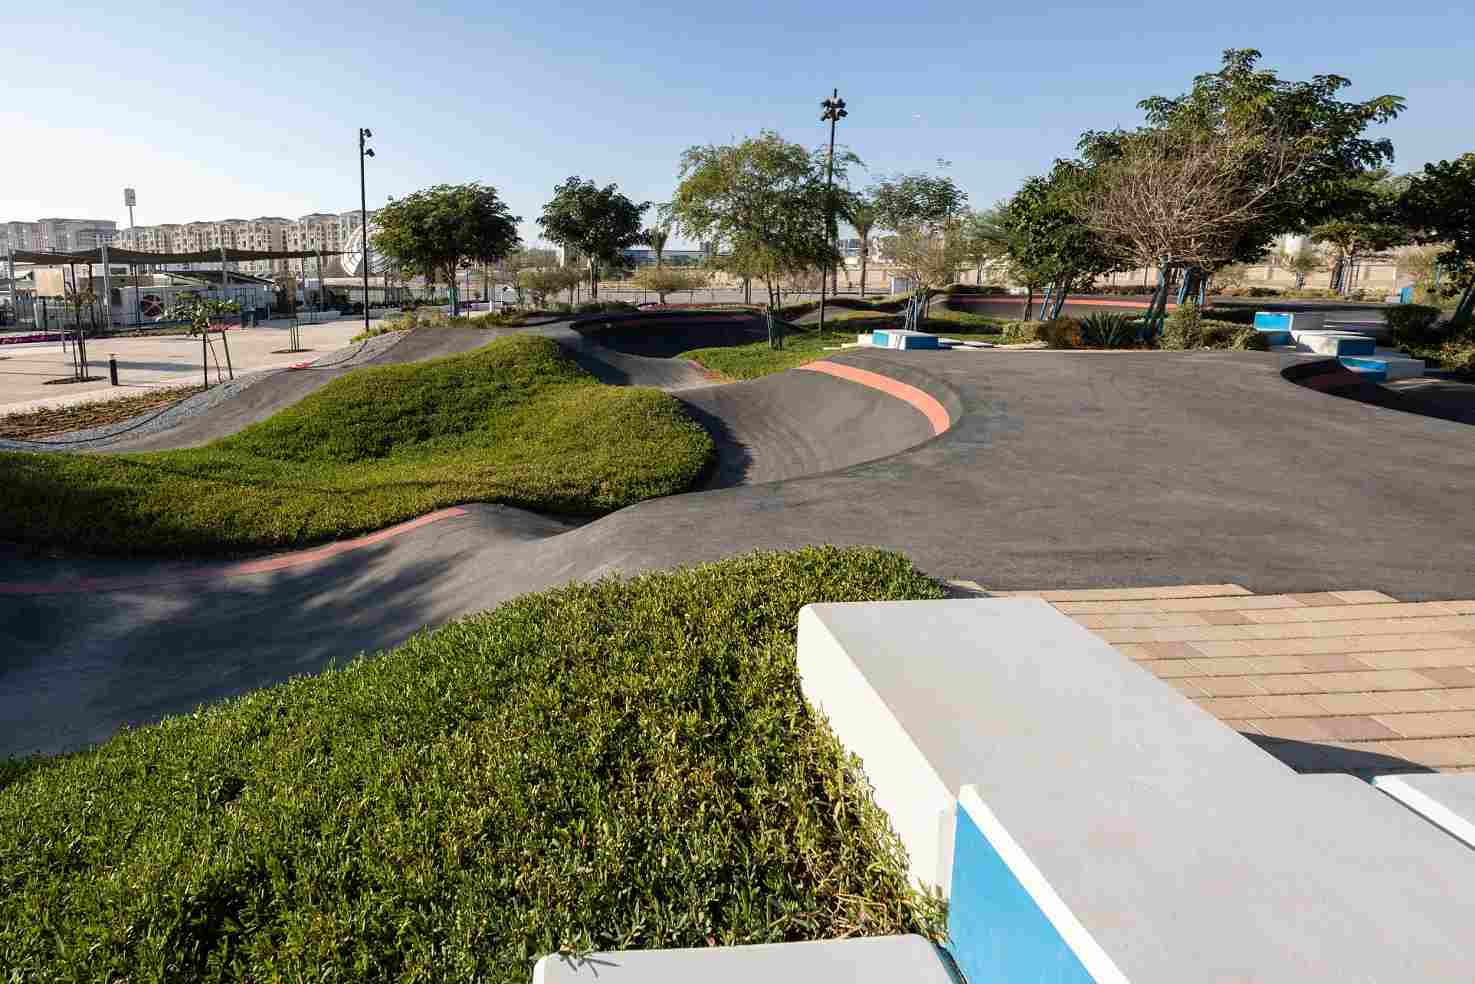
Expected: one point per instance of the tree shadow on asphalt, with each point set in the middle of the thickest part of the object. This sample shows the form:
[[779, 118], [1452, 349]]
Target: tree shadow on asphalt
[[76, 668]]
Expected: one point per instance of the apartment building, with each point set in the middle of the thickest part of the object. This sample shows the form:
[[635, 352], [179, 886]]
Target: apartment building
[[330, 232], [316, 231], [57, 235]]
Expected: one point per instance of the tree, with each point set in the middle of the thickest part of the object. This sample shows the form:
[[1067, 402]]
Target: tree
[[906, 201], [761, 204], [668, 280], [542, 281], [859, 209], [598, 222], [1047, 242], [1302, 261], [1440, 204], [1370, 223], [435, 231], [929, 258], [985, 238], [655, 237], [1265, 117], [1240, 158]]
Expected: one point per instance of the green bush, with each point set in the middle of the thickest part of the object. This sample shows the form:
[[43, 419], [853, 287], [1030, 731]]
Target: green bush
[[1020, 332], [1233, 315], [627, 764], [1183, 328], [1250, 340], [1059, 333], [1414, 325], [515, 421], [1110, 331], [1458, 356]]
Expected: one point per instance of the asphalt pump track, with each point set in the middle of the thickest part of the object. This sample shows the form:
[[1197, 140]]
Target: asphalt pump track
[[1058, 469]]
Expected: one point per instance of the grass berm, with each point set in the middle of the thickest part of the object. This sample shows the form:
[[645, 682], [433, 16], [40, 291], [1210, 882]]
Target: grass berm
[[515, 421], [624, 764]]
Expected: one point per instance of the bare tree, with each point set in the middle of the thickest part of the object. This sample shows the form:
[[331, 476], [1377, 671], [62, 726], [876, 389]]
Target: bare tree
[[1174, 199], [928, 258]]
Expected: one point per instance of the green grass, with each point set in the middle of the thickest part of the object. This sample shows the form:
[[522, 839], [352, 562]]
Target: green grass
[[514, 422], [613, 765], [757, 359]]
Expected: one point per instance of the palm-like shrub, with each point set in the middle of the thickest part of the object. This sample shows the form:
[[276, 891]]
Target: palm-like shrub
[[1108, 330]]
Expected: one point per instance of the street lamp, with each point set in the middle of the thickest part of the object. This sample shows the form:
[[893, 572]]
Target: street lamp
[[834, 112], [364, 134]]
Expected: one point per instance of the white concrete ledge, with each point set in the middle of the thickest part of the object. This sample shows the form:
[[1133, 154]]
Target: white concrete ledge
[[1446, 800], [1123, 827]]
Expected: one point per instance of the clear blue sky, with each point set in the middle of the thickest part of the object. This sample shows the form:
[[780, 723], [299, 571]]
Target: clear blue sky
[[217, 110]]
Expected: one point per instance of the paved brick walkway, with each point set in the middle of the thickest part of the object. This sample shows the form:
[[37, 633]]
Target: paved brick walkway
[[1337, 681]]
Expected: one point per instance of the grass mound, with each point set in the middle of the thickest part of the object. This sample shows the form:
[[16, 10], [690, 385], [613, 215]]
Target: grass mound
[[514, 422], [611, 765]]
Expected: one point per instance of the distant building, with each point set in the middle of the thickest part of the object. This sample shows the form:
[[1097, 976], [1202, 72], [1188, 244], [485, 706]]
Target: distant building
[[331, 232], [56, 235]]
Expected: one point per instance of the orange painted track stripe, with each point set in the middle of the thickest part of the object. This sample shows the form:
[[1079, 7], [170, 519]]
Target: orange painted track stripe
[[261, 565], [934, 411]]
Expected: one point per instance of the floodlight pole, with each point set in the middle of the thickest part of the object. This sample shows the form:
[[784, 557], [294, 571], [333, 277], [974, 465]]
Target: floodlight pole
[[129, 197], [364, 152], [834, 112], [15, 292]]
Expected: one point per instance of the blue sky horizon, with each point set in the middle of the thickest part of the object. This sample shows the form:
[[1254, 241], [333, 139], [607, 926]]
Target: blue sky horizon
[[212, 113]]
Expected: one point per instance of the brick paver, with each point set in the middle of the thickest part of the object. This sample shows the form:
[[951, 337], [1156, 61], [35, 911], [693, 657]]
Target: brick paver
[[1329, 681]]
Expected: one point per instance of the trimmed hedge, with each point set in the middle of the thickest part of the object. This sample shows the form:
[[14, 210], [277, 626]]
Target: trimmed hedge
[[626, 764]]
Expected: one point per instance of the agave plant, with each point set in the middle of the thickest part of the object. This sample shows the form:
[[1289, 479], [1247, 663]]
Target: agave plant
[[1107, 330]]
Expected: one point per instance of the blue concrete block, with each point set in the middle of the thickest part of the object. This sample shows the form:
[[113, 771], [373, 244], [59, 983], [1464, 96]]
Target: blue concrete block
[[880, 339], [1373, 369], [1273, 319], [996, 930]]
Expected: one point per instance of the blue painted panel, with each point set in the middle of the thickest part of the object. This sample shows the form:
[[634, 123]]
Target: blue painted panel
[[997, 932], [919, 341], [1272, 319], [880, 338]]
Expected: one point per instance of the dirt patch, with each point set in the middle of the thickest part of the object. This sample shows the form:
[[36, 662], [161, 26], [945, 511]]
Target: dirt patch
[[30, 424]]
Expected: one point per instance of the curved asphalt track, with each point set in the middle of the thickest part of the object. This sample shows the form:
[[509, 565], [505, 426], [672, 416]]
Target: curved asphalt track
[[1062, 469]]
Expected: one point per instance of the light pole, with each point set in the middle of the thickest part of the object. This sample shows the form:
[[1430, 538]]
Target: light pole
[[834, 112], [364, 134], [130, 198]]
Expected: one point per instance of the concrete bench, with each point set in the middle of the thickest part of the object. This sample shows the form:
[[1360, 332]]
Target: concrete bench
[[1337, 343], [896, 338], [881, 959], [1090, 823], [1383, 366], [1294, 322]]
